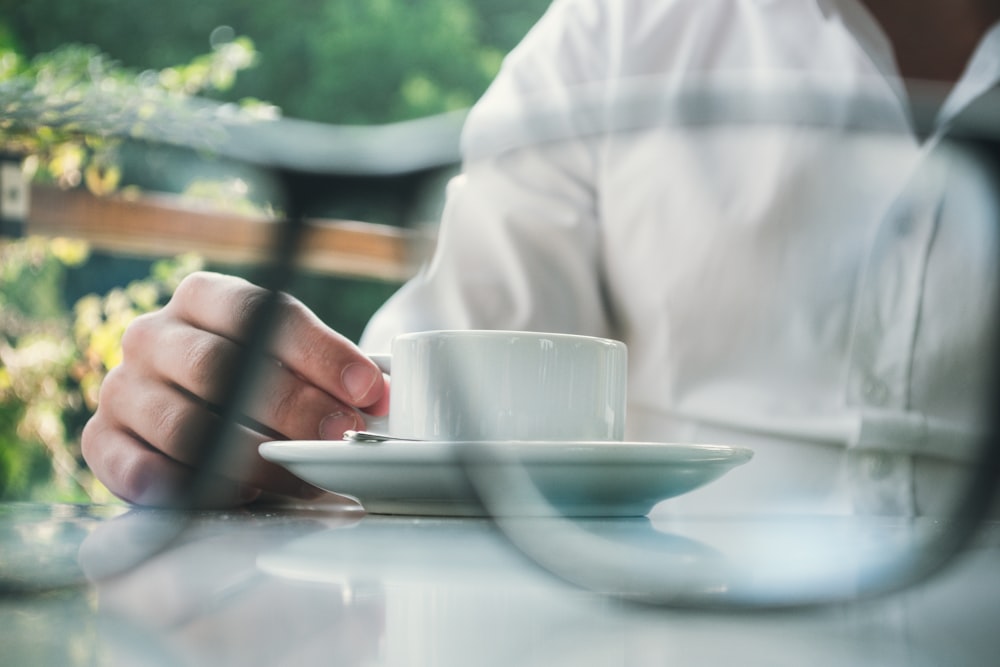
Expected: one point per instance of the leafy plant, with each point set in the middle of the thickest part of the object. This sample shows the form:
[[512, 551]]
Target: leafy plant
[[52, 362], [65, 114], [332, 61], [68, 111]]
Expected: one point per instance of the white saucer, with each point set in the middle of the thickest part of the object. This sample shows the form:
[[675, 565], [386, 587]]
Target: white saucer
[[577, 478]]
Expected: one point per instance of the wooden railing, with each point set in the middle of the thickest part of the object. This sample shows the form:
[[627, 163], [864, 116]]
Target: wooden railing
[[392, 161], [165, 225]]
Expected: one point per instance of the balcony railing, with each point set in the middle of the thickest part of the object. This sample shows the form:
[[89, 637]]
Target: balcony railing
[[163, 225], [394, 163]]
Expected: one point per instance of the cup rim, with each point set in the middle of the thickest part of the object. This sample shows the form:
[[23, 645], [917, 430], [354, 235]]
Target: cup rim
[[501, 333]]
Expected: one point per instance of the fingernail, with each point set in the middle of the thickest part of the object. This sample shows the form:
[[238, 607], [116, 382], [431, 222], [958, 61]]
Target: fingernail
[[333, 426], [358, 378]]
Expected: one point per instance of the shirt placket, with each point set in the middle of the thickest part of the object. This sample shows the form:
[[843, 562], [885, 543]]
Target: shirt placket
[[881, 357]]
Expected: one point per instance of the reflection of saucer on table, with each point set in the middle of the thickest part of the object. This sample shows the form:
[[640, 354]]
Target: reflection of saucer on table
[[577, 478], [391, 551]]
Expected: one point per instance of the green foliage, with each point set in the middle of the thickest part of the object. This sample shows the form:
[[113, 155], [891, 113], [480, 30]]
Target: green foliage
[[334, 61], [52, 361], [69, 110]]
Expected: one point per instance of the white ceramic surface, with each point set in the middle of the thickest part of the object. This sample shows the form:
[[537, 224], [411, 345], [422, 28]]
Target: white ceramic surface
[[507, 385], [578, 479]]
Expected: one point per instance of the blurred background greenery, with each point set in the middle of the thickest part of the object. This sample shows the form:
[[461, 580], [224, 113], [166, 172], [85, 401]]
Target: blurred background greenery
[[63, 305], [335, 61]]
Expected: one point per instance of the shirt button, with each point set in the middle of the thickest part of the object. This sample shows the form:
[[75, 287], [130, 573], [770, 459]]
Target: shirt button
[[875, 391], [877, 466], [904, 224]]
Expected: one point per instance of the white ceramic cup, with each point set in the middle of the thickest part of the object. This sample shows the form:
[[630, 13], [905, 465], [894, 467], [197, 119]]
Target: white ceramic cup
[[472, 385]]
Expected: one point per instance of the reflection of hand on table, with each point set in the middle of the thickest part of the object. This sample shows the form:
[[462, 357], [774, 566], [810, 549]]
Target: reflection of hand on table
[[204, 597]]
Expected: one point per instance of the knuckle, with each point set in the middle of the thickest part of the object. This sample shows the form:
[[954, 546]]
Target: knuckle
[[291, 315], [284, 402], [191, 284], [89, 439], [171, 425], [319, 357], [246, 307], [140, 334], [202, 361], [120, 473], [289, 306], [292, 405], [112, 380], [113, 386]]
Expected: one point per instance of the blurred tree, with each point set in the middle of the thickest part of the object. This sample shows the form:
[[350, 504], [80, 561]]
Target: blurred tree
[[52, 362], [335, 61], [65, 112]]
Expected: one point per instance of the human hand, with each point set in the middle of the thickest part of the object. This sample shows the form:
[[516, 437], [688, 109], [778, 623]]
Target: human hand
[[154, 407]]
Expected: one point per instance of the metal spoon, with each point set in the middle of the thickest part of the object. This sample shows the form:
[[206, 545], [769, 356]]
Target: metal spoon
[[368, 436]]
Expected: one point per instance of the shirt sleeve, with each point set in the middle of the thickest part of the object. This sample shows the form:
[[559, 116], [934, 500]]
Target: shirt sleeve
[[519, 244]]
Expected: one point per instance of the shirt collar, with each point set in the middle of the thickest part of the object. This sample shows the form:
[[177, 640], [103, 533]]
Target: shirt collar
[[981, 74], [860, 24]]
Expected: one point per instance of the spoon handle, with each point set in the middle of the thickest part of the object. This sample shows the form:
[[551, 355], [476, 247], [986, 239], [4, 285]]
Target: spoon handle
[[368, 436]]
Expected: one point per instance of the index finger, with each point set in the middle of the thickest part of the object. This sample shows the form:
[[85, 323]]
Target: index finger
[[226, 306]]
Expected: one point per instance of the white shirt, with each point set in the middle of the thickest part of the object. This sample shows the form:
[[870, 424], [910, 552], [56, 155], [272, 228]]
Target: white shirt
[[766, 297]]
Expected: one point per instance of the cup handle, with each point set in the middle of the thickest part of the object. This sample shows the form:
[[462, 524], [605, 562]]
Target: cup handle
[[383, 361]]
